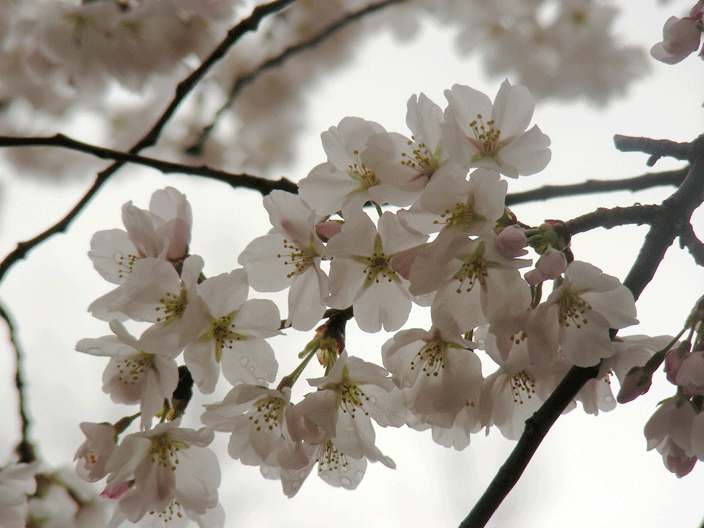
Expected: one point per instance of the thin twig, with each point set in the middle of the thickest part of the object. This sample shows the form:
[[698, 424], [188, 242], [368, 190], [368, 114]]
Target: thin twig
[[256, 183], [638, 183], [689, 240], [657, 148], [184, 87], [25, 449], [286, 54]]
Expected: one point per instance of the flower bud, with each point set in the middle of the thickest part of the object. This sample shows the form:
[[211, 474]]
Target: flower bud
[[636, 383]]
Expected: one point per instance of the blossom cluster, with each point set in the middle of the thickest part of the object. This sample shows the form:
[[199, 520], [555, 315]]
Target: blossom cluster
[[676, 429], [68, 58], [388, 222]]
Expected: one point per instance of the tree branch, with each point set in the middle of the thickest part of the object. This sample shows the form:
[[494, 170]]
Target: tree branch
[[636, 183], [25, 449], [184, 87], [673, 215], [617, 216], [280, 59], [657, 148], [695, 246], [256, 183]]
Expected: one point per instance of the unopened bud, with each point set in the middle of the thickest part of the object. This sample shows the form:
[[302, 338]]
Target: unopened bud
[[636, 383]]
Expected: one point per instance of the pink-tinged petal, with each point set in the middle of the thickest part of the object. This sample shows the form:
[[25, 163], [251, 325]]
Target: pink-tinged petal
[[290, 215]]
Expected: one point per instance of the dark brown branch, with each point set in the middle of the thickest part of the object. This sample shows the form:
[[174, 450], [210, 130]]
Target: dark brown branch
[[617, 216], [184, 87], [537, 426], [256, 183], [637, 183], [689, 240], [25, 449], [674, 215], [657, 148], [280, 59]]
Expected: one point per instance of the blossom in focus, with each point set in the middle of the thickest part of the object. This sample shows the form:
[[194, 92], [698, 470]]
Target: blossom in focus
[[290, 256], [163, 231], [438, 374], [234, 336], [255, 417], [93, 454], [360, 274], [173, 472], [345, 180], [493, 136], [138, 371], [352, 394], [154, 292], [573, 324]]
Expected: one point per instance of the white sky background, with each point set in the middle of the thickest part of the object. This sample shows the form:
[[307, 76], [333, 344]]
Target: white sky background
[[589, 472]]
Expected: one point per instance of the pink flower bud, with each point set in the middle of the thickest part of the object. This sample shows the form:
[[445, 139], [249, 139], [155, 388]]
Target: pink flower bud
[[673, 360], [511, 242], [680, 38]]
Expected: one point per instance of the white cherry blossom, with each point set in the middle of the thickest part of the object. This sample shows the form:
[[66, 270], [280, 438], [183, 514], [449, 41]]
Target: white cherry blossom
[[573, 324], [290, 256], [360, 274], [234, 336], [170, 471], [493, 136], [139, 371]]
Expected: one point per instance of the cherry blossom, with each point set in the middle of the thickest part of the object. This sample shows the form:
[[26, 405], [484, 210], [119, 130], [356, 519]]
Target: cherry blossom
[[345, 180], [139, 371], [255, 417], [235, 335], [479, 134], [290, 257], [669, 431], [163, 231], [438, 374], [93, 454], [474, 282], [173, 471], [360, 274], [154, 292], [573, 324]]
